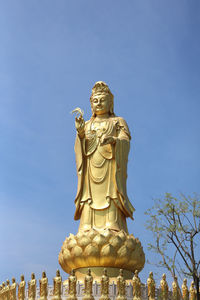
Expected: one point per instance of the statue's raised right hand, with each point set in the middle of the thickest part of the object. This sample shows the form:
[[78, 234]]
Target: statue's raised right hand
[[79, 121], [80, 124]]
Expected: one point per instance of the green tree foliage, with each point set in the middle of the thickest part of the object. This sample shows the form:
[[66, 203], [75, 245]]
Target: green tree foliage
[[175, 223]]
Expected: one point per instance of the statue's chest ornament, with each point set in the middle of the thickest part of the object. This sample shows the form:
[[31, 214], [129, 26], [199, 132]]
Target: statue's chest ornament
[[99, 128]]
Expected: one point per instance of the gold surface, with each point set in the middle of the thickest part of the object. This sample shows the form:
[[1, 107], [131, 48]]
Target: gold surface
[[121, 286], [21, 289], [164, 287], [57, 286], [151, 286], [102, 146], [72, 280], [13, 289], [32, 288], [136, 286], [185, 292], [98, 271], [88, 286], [43, 287], [104, 286], [193, 292], [102, 249], [175, 290]]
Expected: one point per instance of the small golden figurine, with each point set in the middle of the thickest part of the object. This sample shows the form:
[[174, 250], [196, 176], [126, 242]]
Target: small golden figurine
[[43, 286], [104, 286], [7, 290], [121, 286], [136, 286], [88, 286], [175, 289], [164, 288], [151, 286], [21, 289], [185, 292], [3, 290], [193, 292], [72, 280], [13, 290], [32, 288], [0, 292], [57, 286]]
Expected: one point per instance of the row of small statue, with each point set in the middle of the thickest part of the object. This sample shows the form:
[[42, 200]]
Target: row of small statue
[[8, 292]]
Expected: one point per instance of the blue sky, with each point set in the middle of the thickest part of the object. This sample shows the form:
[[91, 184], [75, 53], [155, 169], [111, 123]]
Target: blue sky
[[51, 54]]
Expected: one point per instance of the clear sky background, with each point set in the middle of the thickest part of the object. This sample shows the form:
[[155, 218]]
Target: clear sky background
[[51, 54]]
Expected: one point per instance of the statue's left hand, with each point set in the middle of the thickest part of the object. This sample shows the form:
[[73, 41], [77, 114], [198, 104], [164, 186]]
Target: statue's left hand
[[108, 140]]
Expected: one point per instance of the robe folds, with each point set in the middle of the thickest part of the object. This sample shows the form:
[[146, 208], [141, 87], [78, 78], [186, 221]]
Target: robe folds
[[101, 200]]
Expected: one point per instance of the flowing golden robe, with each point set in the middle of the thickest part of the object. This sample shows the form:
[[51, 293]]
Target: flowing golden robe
[[101, 200]]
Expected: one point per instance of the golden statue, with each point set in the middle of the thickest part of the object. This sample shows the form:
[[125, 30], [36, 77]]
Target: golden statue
[[151, 286], [72, 280], [7, 290], [13, 290], [102, 147], [88, 295], [193, 292], [136, 286], [43, 286], [102, 205], [2, 291], [32, 288], [175, 289], [121, 286], [57, 286], [185, 292], [21, 289], [104, 286], [164, 288]]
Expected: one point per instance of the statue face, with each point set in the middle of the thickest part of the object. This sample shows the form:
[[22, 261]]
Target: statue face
[[101, 104]]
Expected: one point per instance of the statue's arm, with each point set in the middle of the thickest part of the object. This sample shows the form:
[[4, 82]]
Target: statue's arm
[[123, 130]]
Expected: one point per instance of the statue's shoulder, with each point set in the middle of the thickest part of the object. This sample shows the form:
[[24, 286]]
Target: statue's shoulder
[[120, 120], [122, 125]]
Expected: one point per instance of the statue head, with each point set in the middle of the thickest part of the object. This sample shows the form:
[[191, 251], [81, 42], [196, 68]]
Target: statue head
[[164, 276], [44, 274], [3, 284], [22, 277], [151, 274], [105, 271], [57, 273], [136, 273], [13, 280], [72, 272], [8, 282], [192, 284], [101, 99], [89, 272], [121, 272], [32, 276], [185, 281]]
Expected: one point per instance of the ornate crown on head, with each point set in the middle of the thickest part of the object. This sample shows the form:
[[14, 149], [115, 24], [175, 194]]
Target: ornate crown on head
[[101, 87]]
